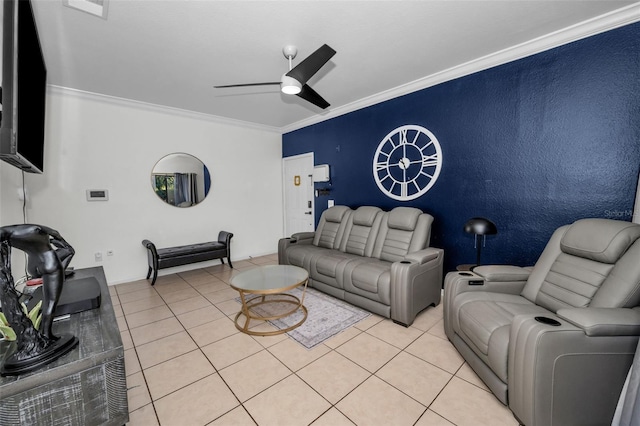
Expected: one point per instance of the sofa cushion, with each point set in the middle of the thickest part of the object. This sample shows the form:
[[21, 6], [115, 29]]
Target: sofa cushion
[[361, 231], [327, 266], [571, 282], [396, 245], [369, 278], [331, 227], [358, 239], [404, 218], [365, 215], [301, 254], [335, 213], [567, 274], [403, 230], [621, 289], [483, 321], [601, 240]]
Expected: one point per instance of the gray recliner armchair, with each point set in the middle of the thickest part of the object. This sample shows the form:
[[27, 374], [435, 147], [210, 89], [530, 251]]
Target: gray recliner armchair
[[554, 342]]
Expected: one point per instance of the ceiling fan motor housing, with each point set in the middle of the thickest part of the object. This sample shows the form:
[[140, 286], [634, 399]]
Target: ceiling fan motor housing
[[290, 85], [290, 51]]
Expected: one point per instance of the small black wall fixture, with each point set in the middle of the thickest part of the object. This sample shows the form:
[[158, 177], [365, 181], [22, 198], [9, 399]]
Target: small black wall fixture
[[480, 226]]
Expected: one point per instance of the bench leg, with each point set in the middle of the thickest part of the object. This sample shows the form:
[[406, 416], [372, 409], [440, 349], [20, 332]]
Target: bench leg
[[155, 275], [222, 260], [149, 272]]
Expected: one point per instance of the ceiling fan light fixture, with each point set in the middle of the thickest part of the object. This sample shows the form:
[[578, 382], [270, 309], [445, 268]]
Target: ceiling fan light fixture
[[290, 85]]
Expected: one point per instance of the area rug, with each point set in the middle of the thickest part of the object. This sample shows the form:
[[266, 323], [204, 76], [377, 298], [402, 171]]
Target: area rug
[[327, 316]]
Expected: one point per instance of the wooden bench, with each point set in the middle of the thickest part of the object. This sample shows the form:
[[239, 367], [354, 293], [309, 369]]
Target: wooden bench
[[184, 255]]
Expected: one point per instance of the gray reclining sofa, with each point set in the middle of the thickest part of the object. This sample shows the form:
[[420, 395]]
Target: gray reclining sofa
[[380, 261], [554, 342]]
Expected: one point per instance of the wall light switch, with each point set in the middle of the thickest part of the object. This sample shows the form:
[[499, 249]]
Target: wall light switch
[[331, 203]]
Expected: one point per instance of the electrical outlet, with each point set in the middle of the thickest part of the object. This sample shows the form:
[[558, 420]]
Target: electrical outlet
[[98, 257], [109, 252]]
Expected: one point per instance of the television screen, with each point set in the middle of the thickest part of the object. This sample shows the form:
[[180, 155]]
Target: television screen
[[24, 80]]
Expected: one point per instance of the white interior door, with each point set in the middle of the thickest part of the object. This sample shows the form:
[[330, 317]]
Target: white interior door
[[297, 172]]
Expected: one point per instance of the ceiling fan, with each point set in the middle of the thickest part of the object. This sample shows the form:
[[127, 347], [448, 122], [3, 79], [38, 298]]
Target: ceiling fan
[[294, 82]]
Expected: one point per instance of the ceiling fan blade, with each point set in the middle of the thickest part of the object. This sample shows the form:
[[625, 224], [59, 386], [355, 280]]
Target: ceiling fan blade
[[273, 83], [308, 67], [308, 94]]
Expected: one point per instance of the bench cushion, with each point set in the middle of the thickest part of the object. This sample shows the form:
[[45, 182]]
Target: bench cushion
[[190, 249]]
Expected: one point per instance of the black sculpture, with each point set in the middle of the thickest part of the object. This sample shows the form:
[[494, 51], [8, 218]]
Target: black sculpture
[[48, 255]]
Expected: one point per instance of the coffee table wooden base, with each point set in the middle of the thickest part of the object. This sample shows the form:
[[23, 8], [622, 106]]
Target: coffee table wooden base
[[247, 305]]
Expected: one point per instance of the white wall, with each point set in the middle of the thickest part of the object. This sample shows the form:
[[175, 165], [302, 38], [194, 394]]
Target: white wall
[[101, 143]]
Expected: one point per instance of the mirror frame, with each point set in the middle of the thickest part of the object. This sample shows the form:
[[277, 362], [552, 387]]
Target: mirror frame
[[181, 180]]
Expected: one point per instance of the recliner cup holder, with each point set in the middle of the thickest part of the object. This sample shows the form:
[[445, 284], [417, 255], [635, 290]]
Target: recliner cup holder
[[547, 321]]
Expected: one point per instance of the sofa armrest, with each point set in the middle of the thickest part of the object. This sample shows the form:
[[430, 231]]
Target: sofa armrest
[[297, 238], [416, 282], [423, 256], [302, 237], [604, 321], [496, 279], [557, 374], [502, 273]]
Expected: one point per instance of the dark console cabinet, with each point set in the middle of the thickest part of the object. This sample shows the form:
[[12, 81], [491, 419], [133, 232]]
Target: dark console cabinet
[[87, 386]]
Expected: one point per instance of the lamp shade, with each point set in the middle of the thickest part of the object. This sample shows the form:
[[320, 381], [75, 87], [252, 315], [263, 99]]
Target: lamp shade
[[480, 226]]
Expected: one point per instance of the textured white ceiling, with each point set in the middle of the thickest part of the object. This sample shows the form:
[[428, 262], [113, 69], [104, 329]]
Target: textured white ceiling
[[171, 52]]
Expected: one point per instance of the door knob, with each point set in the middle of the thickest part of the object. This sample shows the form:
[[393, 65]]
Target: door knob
[[307, 212]]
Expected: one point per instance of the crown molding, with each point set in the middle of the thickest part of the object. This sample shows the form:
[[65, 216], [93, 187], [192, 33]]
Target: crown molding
[[114, 100], [615, 19]]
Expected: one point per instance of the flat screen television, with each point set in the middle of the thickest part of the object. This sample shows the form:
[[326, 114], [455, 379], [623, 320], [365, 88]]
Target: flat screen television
[[24, 85]]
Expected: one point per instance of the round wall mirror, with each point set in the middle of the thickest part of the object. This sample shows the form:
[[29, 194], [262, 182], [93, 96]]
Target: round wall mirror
[[180, 180]]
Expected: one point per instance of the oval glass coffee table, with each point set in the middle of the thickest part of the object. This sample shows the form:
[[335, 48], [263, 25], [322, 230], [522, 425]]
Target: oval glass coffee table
[[262, 288]]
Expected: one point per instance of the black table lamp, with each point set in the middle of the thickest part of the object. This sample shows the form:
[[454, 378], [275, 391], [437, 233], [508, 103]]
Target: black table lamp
[[480, 226]]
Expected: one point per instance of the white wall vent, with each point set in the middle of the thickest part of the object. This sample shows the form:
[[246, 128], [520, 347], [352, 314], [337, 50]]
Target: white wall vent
[[94, 7]]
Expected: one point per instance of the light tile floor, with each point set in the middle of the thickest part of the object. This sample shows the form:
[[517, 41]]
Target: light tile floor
[[187, 364]]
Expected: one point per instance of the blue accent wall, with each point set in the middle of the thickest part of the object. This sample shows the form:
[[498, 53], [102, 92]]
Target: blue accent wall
[[532, 145]]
